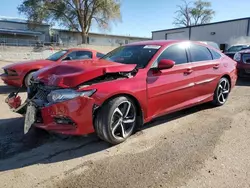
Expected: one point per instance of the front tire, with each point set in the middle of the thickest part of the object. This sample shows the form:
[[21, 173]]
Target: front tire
[[27, 79], [116, 120], [222, 92]]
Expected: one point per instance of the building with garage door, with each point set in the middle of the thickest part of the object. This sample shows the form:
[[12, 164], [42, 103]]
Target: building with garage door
[[224, 33]]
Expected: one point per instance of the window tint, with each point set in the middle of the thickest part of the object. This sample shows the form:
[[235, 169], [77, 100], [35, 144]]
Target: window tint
[[215, 54], [175, 53], [56, 56], [99, 55], [83, 55], [80, 55], [199, 53]]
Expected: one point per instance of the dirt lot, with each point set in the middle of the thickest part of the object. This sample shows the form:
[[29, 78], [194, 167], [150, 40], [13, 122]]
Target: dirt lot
[[198, 147]]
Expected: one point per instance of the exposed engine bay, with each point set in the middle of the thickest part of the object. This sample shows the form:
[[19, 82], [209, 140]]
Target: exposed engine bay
[[37, 92]]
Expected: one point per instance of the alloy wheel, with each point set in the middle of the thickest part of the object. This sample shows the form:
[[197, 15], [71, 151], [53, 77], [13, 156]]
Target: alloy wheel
[[223, 91], [123, 120]]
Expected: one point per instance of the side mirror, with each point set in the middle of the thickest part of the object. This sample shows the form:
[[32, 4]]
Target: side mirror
[[166, 64], [67, 58]]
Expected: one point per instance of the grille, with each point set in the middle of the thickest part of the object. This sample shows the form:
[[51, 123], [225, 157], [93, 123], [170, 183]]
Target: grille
[[42, 91], [42, 95]]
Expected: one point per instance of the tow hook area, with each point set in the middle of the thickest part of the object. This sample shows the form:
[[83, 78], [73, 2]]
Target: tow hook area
[[15, 103]]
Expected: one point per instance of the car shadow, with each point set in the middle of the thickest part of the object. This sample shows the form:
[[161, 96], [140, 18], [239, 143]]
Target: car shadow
[[18, 150], [176, 115], [243, 82], [4, 89]]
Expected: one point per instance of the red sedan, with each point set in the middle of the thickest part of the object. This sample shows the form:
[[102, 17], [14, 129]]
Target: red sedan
[[126, 88], [19, 74]]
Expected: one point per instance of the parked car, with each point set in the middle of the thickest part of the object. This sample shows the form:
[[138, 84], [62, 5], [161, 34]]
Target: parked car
[[243, 63], [126, 88], [232, 50], [19, 74]]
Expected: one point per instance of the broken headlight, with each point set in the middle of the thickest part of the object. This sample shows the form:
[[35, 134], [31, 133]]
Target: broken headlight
[[67, 94]]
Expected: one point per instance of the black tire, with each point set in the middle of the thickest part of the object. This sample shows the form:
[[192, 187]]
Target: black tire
[[108, 116], [27, 79], [221, 92]]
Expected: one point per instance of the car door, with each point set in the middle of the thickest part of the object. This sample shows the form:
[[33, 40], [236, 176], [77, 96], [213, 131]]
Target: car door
[[206, 66], [170, 89]]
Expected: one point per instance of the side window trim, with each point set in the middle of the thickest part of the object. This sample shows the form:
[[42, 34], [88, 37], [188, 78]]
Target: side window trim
[[187, 56]]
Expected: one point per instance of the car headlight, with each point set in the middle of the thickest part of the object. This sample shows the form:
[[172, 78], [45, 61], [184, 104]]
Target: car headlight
[[237, 57], [67, 94]]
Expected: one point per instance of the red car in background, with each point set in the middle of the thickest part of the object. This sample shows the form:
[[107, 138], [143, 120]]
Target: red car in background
[[19, 74], [243, 63], [126, 88]]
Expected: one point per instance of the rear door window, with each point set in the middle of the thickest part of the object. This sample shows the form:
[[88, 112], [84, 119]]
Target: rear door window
[[215, 54], [83, 55], [199, 53], [99, 55], [80, 55]]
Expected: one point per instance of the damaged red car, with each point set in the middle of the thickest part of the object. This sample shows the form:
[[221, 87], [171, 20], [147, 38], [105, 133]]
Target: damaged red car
[[126, 88]]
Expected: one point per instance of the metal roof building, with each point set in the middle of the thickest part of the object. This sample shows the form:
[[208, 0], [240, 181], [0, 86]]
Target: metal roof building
[[224, 33], [16, 31]]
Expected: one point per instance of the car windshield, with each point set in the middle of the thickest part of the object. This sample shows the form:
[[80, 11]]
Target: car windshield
[[134, 54], [57, 55], [237, 48]]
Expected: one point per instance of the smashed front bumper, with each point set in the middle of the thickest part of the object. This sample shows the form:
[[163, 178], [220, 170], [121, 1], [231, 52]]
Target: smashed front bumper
[[71, 117]]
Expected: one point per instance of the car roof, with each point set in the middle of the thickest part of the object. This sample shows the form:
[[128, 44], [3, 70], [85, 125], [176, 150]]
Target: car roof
[[155, 42], [169, 42], [164, 42]]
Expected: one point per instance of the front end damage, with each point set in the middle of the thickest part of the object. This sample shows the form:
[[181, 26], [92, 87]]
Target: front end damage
[[73, 116]]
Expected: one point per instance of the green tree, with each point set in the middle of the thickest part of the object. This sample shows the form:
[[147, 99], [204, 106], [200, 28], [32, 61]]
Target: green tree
[[193, 13], [77, 15]]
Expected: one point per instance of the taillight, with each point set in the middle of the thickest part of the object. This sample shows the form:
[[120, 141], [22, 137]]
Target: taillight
[[237, 57]]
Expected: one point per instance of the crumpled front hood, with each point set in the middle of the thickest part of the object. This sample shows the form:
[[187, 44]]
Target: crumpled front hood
[[73, 73]]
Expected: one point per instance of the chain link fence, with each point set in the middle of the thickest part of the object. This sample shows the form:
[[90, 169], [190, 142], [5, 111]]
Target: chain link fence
[[22, 49]]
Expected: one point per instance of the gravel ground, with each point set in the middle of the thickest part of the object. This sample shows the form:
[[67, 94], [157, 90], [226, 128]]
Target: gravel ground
[[197, 147]]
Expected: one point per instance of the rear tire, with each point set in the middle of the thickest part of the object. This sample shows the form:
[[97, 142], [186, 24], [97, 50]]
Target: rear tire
[[222, 92], [116, 120]]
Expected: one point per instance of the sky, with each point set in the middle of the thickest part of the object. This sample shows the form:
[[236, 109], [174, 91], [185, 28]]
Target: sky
[[141, 17]]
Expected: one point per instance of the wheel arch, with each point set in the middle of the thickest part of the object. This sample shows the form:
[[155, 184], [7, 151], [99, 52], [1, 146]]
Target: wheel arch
[[30, 71], [229, 79]]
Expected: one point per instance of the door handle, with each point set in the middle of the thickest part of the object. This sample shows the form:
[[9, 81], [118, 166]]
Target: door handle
[[216, 66], [188, 71]]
